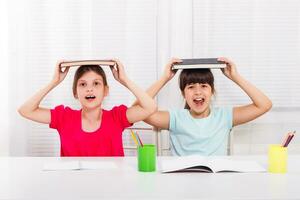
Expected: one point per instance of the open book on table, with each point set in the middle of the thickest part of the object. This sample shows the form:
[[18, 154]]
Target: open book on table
[[87, 62], [196, 163], [78, 165]]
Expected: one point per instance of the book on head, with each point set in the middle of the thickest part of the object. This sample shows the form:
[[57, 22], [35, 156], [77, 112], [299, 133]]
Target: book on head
[[197, 163], [197, 63], [87, 62]]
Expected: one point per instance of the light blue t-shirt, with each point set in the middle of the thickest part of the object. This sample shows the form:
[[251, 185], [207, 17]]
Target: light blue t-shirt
[[205, 136]]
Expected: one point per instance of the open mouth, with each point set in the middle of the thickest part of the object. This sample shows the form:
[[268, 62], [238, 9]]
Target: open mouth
[[199, 101], [90, 97]]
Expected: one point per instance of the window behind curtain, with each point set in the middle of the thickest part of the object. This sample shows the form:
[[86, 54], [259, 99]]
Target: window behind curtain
[[46, 31], [262, 38]]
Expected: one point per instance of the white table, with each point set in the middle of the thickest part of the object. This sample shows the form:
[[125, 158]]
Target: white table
[[24, 178]]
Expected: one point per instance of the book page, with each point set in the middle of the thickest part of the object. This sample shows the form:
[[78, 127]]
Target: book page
[[227, 165], [184, 162], [78, 165], [97, 165], [206, 164], [61, 165]]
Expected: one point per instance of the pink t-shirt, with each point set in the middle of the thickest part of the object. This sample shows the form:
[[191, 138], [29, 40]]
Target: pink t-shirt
[[105, 141]]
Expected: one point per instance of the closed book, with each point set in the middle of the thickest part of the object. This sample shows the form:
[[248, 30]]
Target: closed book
[[197, 63], [87, 62]]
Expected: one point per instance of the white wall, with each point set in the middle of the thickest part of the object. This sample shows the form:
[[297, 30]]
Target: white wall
[[42, 32], [4, 86], [260, 36], [254, 137]]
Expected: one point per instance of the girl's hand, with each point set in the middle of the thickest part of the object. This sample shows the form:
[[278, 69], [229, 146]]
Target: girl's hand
[[59, 74], [230, 71], [168, 72], [119, 72]]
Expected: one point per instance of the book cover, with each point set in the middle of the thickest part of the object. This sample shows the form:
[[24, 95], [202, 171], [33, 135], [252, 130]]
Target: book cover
[[197, 63], [209, 164], [87, 62]]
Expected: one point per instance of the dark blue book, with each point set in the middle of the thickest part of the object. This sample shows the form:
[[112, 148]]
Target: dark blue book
[[199, 63]]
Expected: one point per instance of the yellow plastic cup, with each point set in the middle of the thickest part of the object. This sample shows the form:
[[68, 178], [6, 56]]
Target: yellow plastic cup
[[277, 158]]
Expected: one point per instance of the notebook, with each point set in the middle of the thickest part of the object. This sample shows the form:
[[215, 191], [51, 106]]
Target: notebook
[[197, 163], [78, 165], [87, 62], [197, 63]]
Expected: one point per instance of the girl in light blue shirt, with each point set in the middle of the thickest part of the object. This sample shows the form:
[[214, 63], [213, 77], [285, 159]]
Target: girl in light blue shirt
[[200, 128]]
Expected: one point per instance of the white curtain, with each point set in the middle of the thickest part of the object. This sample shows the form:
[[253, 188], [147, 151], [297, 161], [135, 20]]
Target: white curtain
[[41, 32], [262, 37], [4, 86]]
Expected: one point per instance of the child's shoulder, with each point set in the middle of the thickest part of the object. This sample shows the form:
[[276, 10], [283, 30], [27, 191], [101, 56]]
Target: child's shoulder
[[178, 112], [216, 110], [118, 107], [222, 111], [121, 106], [63, 108]]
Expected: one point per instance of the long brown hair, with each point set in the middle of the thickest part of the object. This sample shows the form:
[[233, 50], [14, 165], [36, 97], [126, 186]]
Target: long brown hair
[[84, 69], [191, 76]]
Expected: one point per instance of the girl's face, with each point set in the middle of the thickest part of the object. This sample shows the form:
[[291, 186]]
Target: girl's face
[[91, 90], [198, 96]]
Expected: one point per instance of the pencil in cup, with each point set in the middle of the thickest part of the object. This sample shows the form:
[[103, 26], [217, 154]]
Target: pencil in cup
[[134, 138], [288, 138], [146, 154], [139, 139]]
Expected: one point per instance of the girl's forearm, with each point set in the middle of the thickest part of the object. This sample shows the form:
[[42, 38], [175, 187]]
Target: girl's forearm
[[145, 100], [33, 103], [156, 87], [258, 98]]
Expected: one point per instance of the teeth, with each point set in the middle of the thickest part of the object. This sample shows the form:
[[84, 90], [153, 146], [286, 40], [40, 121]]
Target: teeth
[[199, 99], [90, 97]]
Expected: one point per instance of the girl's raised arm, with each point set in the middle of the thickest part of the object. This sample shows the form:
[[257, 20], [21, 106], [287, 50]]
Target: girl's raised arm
[[31, 109], [147, 105], [260, 102], [160, 119]]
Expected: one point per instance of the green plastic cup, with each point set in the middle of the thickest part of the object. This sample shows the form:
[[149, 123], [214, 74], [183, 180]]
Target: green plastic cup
[[147, 158]]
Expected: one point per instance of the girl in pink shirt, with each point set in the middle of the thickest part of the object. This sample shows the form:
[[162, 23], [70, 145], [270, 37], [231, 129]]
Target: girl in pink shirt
[[90, 131]]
